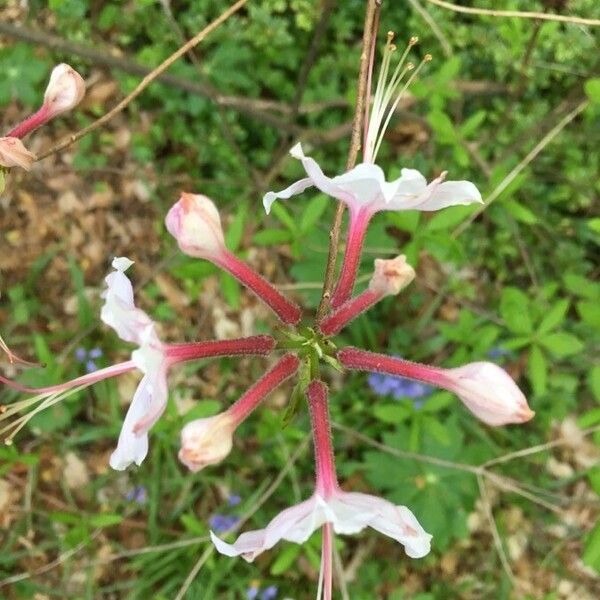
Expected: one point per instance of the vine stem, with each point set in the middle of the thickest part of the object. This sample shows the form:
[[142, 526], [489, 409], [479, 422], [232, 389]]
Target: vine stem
[[369, 35], [146, 81]]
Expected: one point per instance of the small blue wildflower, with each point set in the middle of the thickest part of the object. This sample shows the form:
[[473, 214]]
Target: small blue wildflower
[[252, 592], [137, 494], [233, 499], [399, 388], [88, 357], [220, 523], [269, 593], [498, 352]]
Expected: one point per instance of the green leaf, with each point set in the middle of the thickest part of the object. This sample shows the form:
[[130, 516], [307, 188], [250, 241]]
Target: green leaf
[[520, 212], [285, 558], [448, 218], [437, 402], [594, 478], [554, 317], [537, 370], [592, 89], [231, 290], [392, 413], [514, 308], [591, 551], [272, 237], [313, 212], [235, 231], [105, 520], [562, 344], [284, 217], [590, 313], [593, 380]]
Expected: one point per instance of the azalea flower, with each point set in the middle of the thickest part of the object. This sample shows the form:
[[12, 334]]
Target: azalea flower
[[364, 189], [330, 507], [14, 154], [486, 389], [64, 92], [389, 278], [152, 357], [195, 223], [209, 440]]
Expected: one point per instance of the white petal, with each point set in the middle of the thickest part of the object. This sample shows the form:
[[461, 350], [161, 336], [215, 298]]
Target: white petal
[[354, 511], [148, 404], [292, 190], [451, 193], [119, 310], [295, 524]]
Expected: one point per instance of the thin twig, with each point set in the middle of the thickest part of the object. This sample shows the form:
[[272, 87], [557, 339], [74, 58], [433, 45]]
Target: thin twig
[[537, 449], [487, 509], [515, 13], [517, 170], [435, 28], [373, 7], [146, 81]]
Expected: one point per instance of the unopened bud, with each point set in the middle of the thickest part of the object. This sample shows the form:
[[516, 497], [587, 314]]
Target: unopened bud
[[195, 223], [14, 154], [391, 276], [206, 441], [65, 90], [489, 393]]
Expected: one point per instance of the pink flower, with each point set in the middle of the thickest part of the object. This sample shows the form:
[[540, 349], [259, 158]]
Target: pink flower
[[195, 223], [364, 188], [206, 441], [489, 392], [486, 389], [348, 512], [65, 90], [150, 399], [391, 276], [14, 154]]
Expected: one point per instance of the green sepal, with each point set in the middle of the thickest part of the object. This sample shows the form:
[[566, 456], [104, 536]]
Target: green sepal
[[298, 393]]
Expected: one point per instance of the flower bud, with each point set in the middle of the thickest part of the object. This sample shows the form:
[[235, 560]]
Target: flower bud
[[206, 441], [391, 276], [65, 90], [489, 393], [14, 154], [195, 223]]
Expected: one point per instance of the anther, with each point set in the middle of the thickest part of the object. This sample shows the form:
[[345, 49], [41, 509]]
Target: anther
[[427, 58], [413, 40], [410, 66]]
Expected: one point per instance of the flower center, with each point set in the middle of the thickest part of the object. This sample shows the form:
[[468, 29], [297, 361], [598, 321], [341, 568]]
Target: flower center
[[388, 93]]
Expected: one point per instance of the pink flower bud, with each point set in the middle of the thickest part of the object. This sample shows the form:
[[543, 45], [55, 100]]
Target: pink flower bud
[[195, 223], [14, 154], [206, 441], [65, 90], [391, 276], [489, 393]]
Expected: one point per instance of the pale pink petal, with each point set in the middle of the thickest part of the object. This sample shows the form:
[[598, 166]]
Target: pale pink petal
[[119, 310], [14, 154], [490, 393], [148, 404], [296, 188], [354, 511], [295, 524]]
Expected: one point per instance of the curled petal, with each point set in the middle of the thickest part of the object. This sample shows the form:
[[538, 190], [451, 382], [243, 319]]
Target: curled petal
[[119, 310], [349, 513], [147, 406], [391, 275]]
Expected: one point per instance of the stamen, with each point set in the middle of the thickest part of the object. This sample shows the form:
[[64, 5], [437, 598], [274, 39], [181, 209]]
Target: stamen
[[387, 89], [409, 67]]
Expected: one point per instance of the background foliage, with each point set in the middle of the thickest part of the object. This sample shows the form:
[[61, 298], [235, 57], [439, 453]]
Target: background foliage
[[519, 285]]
